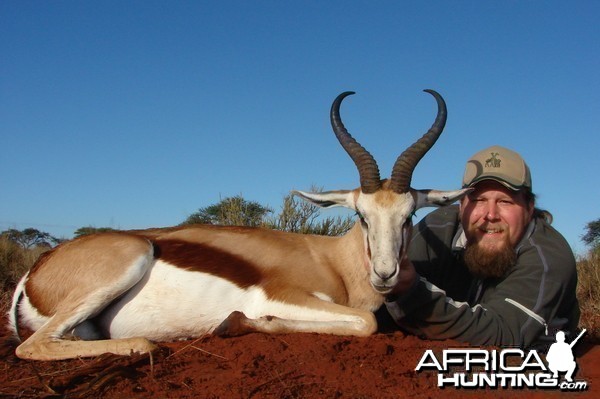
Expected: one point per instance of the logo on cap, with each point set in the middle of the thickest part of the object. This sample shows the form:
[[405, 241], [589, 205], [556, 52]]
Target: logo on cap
[[493, 162]]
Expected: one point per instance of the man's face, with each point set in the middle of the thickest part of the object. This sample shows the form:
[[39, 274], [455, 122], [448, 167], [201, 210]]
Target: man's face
[[494, 219]]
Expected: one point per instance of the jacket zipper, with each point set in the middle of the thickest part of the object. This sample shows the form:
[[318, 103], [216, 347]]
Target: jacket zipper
[[534, 316]]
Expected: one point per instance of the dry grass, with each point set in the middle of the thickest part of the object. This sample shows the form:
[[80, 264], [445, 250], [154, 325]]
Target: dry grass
[[588, 293], [14, 263]]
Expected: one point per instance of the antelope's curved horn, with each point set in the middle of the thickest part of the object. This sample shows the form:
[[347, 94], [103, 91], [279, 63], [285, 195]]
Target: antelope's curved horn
[[408, 160], [370, 180]]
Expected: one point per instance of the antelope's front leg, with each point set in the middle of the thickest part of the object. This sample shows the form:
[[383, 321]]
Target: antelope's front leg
[[322, 317]]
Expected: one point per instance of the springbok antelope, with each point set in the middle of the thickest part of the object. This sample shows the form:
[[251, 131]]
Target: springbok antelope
[[118, 291]]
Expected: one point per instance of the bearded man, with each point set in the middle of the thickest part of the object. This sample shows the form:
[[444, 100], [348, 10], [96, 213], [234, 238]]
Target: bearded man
[[491, 270]]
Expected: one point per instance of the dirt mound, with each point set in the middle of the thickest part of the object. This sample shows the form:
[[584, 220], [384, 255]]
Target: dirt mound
[[259, 366]]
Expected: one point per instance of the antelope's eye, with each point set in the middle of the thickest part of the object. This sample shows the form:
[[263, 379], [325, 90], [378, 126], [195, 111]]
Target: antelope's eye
[[361, 218]]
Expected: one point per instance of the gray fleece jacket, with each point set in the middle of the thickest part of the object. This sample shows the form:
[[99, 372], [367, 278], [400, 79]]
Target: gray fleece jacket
[[523, 309]]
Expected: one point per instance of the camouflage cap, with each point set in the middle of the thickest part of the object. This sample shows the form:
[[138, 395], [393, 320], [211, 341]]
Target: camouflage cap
[[499, 164]]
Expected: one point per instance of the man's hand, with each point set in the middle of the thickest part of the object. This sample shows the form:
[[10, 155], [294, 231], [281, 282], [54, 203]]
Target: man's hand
[[407, 277]]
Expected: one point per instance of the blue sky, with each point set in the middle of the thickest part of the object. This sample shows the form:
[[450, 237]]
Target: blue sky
[[134, 114]]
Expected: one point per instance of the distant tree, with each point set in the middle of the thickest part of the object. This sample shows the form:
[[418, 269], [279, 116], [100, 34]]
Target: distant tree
[[82, 231], [30, 237], [230, 211], [592, 235], [299, 216], [296, 216]]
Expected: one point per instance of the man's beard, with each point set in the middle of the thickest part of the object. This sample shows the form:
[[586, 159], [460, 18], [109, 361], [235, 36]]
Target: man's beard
[[484, 262]]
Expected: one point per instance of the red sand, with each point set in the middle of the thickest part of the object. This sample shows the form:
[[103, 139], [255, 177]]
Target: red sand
[[263, 366]]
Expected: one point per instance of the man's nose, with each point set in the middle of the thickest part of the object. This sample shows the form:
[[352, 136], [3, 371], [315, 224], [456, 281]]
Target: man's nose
[[491, 211]]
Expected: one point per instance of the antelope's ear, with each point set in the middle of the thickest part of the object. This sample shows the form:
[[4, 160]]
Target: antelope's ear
[[329, 199], [425, 198]]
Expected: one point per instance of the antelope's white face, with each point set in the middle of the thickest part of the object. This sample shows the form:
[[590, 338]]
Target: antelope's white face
[[386, 221], [385, 218]]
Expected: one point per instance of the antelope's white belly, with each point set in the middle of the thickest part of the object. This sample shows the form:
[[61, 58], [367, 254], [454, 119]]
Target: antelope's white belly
[[170, 303]]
